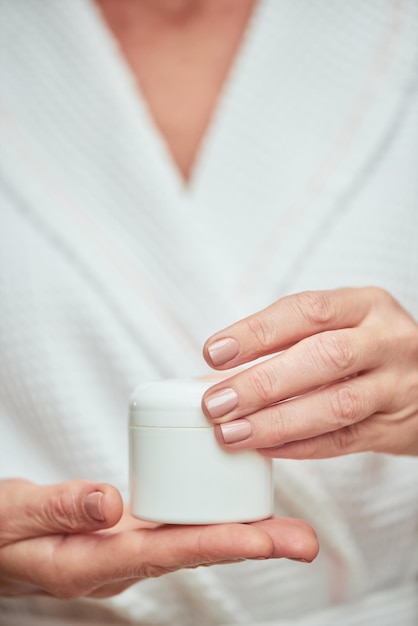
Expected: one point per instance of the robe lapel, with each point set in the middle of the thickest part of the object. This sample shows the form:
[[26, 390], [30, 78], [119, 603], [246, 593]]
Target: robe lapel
[[318, 91]]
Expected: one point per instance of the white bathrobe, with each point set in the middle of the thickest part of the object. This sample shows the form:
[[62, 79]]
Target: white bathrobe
[[113, 272]]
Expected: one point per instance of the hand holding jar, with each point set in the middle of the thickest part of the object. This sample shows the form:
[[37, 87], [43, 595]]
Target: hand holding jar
[[75, 539], [342, 378]]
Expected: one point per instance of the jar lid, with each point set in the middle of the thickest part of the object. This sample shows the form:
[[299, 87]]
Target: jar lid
[[174, 403]]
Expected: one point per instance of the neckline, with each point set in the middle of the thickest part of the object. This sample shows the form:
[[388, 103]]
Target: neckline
[[159, 150]]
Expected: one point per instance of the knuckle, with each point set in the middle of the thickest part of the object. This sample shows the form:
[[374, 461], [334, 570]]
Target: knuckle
[[308, 448], [278, 425], [335, 349], [406, 335], [345, 440], [380, 295], [263, 384], [346, 405], [63, 510], [381, 301], [263, 332], [316, 307]]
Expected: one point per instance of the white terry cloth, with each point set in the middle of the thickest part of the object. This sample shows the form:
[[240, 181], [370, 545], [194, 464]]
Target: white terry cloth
[[112, 272]]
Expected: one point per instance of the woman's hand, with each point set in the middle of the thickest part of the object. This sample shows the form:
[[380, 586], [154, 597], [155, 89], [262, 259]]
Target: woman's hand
[[53, 541], [345, 378]]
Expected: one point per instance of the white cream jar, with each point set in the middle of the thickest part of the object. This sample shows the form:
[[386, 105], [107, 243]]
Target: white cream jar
[[178, 472]]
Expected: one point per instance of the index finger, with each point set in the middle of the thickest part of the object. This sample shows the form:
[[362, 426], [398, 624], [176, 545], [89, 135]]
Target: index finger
[[286, 322]]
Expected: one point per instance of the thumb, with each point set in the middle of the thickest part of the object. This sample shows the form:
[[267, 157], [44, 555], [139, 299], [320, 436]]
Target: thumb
[[28, 510]]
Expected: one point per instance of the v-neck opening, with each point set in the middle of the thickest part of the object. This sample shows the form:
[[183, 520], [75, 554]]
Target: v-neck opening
[[158, 143]]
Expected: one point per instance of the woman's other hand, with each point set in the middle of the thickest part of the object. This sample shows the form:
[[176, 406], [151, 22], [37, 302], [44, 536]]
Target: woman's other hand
[[343, 378], [74, 540]]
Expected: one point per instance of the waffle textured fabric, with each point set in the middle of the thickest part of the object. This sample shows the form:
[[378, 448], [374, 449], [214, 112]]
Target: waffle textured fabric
[[113, 272]]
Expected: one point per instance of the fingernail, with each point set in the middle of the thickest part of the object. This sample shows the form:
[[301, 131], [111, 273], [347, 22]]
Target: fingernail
[[93, 506], [300, 560], [238, 430], [221, 402], [223, 350]]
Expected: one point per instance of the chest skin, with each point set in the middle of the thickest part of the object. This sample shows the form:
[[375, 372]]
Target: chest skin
[[180, 54]]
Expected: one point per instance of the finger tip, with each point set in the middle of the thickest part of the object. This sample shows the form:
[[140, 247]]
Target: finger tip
[[292, 538], [221, 352], [112, 505], [206, 353], [305, 545], [219, 436], [104, 505]]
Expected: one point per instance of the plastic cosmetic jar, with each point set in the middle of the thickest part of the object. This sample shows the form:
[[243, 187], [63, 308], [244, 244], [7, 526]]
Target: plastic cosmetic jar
[[178, 472]]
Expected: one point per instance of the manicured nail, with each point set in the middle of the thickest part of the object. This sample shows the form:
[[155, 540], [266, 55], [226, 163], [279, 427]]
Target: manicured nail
[[221, 402], [238, 430], [93, 506], [223, 350]]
